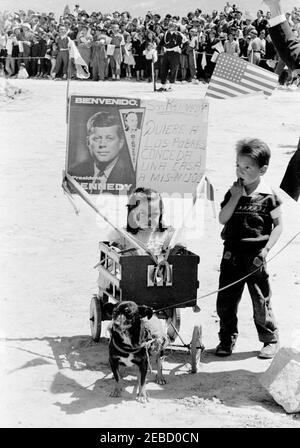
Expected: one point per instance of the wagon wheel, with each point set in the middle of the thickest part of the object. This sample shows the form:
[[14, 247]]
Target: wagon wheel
[[173, 321], [196, 348], [95, 318]]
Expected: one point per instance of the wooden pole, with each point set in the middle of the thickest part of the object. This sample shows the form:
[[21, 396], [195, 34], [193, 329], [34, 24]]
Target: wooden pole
[[153, 74], [86, 197], [68, 88]]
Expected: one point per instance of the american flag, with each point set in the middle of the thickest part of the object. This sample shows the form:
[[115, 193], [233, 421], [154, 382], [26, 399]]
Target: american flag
[[233, 76]]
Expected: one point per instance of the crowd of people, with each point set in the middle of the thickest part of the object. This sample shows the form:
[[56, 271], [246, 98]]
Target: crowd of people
[[117, 45]]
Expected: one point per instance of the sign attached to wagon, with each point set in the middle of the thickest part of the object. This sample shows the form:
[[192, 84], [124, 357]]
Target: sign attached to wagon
[[116, 144]]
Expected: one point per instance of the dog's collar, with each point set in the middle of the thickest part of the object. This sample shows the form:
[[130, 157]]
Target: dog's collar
[[129, 350]]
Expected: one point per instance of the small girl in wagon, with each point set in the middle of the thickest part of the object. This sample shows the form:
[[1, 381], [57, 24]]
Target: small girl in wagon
[[145, 222]]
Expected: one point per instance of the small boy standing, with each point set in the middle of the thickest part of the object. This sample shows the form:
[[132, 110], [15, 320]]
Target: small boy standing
[[251, 215]]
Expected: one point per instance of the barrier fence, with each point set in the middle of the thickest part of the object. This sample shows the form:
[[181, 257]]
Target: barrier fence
[[159, 55]]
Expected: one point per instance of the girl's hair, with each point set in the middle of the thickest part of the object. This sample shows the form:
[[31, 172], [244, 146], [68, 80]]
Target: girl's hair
[[139, 195], [255, 148]]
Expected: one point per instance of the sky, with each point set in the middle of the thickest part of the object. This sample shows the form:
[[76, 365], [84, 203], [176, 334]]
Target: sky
[[136, 7]]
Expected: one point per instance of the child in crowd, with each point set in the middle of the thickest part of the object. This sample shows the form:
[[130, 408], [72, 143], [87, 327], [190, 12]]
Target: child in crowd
[[22, 73], [129, 60], [151, 56], [53, 57], [183, 64], [251, 215], [138, 47], [118, 42], [191, 53]]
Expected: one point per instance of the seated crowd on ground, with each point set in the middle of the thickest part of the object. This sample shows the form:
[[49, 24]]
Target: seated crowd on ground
[[117, 45]]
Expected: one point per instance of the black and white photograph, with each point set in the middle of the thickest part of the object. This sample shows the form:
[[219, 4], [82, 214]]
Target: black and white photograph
[[150, 218]]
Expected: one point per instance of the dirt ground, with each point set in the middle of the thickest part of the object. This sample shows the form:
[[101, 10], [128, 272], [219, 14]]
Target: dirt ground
[[52, 374]]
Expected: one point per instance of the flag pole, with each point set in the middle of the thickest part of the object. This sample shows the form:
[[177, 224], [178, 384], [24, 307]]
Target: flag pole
[[153, 74], [195, 62], [85, 196], [68, 88]]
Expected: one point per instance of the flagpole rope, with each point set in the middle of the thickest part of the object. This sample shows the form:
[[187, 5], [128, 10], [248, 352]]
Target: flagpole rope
[[233, 283]]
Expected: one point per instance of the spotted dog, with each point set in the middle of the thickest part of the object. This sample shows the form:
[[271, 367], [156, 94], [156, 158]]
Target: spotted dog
[[132, 340]]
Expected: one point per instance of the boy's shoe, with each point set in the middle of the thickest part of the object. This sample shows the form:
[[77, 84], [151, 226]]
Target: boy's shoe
[[196, 309], [224, 349], [269, 350]]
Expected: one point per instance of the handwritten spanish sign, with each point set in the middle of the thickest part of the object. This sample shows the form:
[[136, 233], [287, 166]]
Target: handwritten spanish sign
[[172, 155]]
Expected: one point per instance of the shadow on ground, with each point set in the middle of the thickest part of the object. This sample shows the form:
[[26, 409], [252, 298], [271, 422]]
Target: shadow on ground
[[81, 353]]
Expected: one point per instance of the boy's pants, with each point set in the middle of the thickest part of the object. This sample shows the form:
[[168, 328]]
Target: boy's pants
[[115, 65], [62, 60], [236, 264]]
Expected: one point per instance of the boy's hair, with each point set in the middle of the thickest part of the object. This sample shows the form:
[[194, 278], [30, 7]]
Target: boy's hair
[[137, 196], [101, 120], [255, 148]]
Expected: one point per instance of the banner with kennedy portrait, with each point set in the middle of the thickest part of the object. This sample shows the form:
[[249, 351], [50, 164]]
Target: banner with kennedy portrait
[[116, 144]]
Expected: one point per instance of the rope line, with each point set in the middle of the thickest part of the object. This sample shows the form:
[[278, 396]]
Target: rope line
[[160, 54], [233, 283]]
